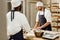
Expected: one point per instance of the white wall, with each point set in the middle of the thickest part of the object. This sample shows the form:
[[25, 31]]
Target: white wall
[[3, 20]]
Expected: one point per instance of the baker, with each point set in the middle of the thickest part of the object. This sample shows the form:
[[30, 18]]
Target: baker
[[16, 21], [43, 17]]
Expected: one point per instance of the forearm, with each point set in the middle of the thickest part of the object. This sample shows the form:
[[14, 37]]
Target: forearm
[[45, 25], [36, 25]]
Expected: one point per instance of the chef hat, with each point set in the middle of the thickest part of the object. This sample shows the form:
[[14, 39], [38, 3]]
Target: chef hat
[[15, 3], [39, 4]]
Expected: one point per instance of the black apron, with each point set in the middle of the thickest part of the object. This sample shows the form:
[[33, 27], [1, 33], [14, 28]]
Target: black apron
[[19, 35], [42, 21]]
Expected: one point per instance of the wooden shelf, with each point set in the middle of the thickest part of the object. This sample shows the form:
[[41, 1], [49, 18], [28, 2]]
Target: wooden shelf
[[56, 16], [56, 26], [54, 3], [56, 21], [55, 12], [54, 6]]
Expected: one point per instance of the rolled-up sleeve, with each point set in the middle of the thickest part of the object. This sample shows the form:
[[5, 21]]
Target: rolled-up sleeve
[[37, 17], [25, 24], [48, 15]]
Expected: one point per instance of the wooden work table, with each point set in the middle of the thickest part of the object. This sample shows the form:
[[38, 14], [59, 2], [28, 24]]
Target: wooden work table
[[36, 38]]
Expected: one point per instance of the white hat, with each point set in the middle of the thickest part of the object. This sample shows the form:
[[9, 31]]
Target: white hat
[[15, 3], [39, 4]]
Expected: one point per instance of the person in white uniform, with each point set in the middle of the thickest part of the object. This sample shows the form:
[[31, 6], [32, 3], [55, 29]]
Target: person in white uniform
[[43, 17], [16, 21]]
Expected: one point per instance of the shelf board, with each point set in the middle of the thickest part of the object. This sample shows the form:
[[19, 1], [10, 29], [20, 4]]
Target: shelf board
[[56, 16], [56, 21], [55, 12], [54, 6], [56, 26], [54, 3]]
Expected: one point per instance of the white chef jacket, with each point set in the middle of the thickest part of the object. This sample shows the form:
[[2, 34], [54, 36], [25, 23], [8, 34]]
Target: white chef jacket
[[19, 22], [46, 13]]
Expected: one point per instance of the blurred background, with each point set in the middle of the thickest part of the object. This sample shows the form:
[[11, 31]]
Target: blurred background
[[29, 9]]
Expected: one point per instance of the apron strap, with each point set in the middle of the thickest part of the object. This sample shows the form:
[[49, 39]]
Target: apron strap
[[12, 15], [44, 11]]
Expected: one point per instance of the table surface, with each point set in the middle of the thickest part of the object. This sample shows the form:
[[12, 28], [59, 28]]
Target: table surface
[[41, 39], [35, 38]]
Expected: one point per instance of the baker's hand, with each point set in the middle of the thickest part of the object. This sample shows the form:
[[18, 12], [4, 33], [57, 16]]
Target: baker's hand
[[37, 28]]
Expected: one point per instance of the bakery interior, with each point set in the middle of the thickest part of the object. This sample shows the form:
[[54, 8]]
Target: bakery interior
[[29, 9]]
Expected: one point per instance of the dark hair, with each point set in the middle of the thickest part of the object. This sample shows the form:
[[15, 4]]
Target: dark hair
[[18, 8]]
